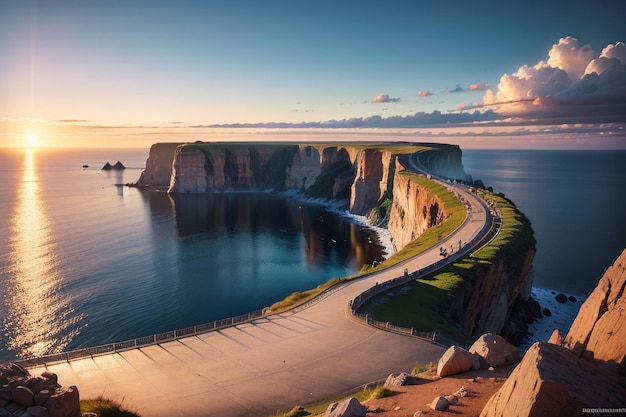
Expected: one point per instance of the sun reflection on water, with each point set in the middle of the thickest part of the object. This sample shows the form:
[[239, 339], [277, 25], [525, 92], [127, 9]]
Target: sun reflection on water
[[36, 320]]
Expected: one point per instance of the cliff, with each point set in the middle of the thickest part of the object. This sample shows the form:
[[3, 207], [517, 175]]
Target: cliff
[[369, 178], [413, 210], [586, 371], [599, 331], [158, 172], [362, 175]]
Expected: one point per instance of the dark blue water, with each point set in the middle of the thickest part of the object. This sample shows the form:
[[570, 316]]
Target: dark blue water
[[576, 201], [86, 262]]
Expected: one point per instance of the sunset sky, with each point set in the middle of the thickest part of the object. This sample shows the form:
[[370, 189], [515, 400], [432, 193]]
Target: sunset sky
[[113, 73]]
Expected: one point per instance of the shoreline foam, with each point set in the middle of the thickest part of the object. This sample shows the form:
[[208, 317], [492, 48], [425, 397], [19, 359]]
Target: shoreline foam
[[337, 207], [562, 315]]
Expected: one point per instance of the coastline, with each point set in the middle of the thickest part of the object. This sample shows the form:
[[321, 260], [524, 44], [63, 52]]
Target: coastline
[[561, 317], [337, 207]]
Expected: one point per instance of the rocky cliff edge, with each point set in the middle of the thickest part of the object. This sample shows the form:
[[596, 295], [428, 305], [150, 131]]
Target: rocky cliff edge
[[580, 374]]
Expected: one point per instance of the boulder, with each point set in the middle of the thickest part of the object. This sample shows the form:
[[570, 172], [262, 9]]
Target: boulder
[[440, 404], [494, 350], [22, 396], [552, 381], [37, 411], [64, 402], [599, 330], [455, 360], [350, 407], [561, 298], [401, 379]]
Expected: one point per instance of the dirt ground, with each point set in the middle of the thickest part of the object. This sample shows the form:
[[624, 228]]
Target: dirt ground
[[406, 400]]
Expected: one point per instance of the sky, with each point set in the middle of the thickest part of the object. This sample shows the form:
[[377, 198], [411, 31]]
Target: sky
[[111, 73]]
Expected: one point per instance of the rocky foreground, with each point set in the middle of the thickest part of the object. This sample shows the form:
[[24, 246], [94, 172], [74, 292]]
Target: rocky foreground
[[581, 374]]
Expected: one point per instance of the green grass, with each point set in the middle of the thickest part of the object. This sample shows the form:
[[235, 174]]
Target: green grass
[[419, 368], [319, 408], [424, 307], [455, 216], [300, 297], [105, 407]]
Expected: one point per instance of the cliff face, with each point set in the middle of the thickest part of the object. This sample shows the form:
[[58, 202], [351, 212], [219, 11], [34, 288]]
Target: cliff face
[[587, 371], [158, 172], [490, 293], [413, 210], [371, 181], [363, 176], [599, 330]]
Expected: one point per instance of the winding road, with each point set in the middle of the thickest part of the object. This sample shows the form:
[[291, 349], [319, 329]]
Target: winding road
[[272, 363]]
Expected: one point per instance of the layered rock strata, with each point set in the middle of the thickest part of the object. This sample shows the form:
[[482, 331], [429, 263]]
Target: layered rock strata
[[585, 373]]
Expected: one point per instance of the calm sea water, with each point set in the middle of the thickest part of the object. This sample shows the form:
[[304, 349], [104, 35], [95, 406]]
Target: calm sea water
[[86, 262], [576, 201]]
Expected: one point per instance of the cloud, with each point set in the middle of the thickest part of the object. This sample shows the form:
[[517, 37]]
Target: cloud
[[384, 98], [419, 119], [71, 121], [456, 89], [573, 75], [424, 93], [477, 87]]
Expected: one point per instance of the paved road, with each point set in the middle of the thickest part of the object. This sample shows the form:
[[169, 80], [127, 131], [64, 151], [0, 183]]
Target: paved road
[[268, 365]]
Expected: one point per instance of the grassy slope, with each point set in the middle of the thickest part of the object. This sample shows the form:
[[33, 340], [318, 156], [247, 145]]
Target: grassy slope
[[419, 307], [455, 216]]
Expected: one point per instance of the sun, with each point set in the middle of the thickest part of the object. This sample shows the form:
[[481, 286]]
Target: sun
[[32, 140]]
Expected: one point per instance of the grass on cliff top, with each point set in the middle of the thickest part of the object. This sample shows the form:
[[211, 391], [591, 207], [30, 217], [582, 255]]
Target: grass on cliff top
[[422, 307], [456, 214]]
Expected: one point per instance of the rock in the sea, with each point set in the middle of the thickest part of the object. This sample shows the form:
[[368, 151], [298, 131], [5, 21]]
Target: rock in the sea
[[599, 331], [440, 404], [546, 312], [561, 298], [455, 360], [346, 408], [552, 381], [572, 299], [494, 350]]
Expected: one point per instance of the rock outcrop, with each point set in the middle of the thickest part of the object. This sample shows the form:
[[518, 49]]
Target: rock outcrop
[[371, 181], [490, 294], [158, 172], [599, 330], [456, 360], [494, 350], [22, 393], [350, 407], [586, 372], [552, 381]]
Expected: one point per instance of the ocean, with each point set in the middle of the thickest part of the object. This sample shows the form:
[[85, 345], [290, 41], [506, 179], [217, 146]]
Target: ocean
[[575, 201], [87, 261]]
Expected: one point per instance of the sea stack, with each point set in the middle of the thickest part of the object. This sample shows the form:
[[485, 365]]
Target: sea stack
[[118, 166]]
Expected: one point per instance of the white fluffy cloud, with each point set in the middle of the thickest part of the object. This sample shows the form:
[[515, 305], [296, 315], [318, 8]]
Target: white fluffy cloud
[[573, 74], [384, 98]]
